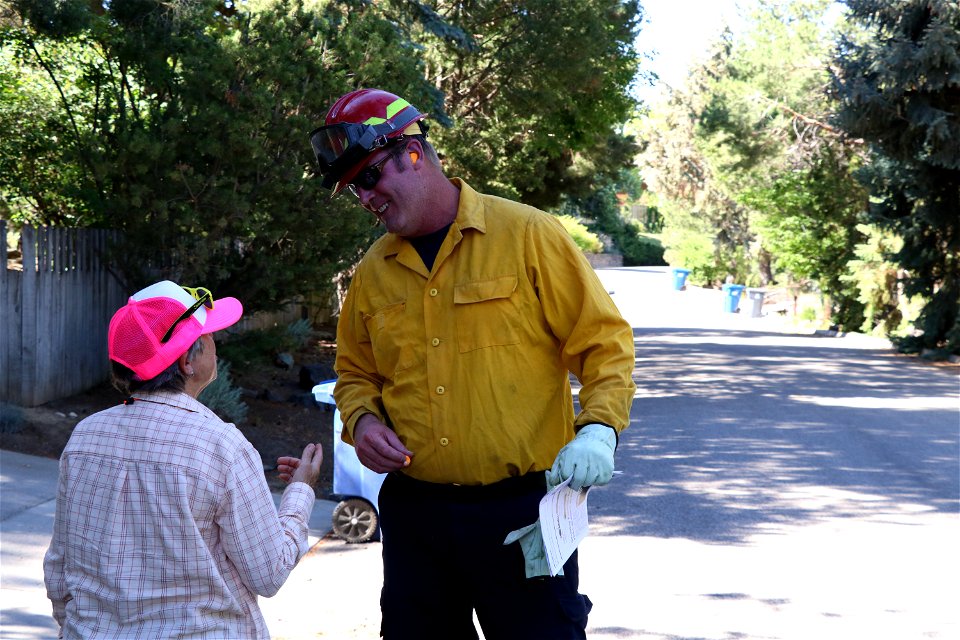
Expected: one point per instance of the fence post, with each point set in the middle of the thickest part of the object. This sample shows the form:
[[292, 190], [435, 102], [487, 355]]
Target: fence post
[[8, 313], [28, 316]]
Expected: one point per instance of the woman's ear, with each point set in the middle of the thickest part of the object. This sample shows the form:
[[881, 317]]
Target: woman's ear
[[185, 367]]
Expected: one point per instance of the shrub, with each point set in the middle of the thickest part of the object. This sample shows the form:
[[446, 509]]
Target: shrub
[[11, 418], [222, 397], [260, 346], [639, 250], [587, 241], [298, 334], [693, 251]]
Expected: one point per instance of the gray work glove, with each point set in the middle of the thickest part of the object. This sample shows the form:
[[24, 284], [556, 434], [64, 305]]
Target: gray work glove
[[531, 542], [587, 459]]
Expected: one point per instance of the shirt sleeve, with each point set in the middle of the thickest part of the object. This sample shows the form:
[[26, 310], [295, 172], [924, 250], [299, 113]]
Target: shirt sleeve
[[596, 342], [359, 386], [54, 577], [263, 544]]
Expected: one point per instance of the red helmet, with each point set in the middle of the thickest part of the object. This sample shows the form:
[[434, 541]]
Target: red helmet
[[358, 124]]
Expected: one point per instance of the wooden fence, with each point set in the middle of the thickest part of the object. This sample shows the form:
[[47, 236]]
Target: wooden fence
[[55, 310], [54, 314]]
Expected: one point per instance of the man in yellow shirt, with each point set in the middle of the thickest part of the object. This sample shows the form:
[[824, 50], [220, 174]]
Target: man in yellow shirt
[[454, 348]]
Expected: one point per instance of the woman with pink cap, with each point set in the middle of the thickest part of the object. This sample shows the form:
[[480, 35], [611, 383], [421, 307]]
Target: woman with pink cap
[[165, 526]]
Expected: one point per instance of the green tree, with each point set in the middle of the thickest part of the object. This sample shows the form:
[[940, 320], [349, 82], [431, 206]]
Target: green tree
[[747, 143], [768, 137], [808, 221], [899, 89], [36, 184], [184, 125], [604, 212], [535, 93], [705, 229], [888, 311], [183, 122]]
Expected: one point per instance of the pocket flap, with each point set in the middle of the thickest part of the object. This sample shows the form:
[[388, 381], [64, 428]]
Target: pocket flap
[[502, 287]]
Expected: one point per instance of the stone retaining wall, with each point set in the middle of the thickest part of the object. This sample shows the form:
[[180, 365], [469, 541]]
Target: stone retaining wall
[[604, 260]]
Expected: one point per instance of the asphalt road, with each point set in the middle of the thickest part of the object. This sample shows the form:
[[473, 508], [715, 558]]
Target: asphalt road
[[777, 486]]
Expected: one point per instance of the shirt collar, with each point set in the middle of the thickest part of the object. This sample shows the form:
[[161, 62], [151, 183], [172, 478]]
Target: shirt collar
[[470, 212], [470, 215], [176, 399]]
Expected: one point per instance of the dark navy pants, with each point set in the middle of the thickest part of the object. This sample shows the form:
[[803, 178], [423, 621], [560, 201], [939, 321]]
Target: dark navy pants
[[443, 558]]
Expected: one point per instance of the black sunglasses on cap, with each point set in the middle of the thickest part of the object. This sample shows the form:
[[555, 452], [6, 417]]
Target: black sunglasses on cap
[[203, 297]]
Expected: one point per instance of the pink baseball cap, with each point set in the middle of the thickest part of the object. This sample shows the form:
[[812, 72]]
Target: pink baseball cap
[[137, 330]]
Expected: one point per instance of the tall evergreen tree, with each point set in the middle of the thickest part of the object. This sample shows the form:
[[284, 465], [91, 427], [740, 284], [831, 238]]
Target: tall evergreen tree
[[898, 83]]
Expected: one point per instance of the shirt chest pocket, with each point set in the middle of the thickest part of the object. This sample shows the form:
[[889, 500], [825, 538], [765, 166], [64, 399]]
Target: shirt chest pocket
[[486, 313], [390, 338]]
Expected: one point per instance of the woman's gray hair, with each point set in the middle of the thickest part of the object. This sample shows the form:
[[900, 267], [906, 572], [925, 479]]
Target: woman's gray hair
[[170, 379]]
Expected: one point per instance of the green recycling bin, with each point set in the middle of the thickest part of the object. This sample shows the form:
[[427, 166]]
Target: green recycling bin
[[731, 297]]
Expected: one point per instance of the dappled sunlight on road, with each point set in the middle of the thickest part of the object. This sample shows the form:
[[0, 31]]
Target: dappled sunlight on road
[[912, 403], [776, 486], [839, 578]]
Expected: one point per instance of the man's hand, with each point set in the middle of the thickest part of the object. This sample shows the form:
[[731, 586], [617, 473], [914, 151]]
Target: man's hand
[[530, 537], [378, 447], [587, 459], [304, 469]]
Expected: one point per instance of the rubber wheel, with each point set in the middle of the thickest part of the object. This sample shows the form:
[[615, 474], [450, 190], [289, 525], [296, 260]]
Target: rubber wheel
[[355, 520]]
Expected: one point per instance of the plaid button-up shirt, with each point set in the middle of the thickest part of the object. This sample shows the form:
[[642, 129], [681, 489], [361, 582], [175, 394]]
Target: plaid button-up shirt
[[165, 526]]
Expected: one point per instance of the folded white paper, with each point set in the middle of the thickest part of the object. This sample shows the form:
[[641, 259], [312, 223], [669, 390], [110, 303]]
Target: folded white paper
[[563, 523]]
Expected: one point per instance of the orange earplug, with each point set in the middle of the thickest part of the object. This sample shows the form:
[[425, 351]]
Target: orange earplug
[[414, 156]]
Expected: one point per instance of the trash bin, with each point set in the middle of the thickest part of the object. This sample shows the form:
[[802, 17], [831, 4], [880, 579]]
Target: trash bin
[[755, 298], [731, 297], [680, 278], [356, 518]]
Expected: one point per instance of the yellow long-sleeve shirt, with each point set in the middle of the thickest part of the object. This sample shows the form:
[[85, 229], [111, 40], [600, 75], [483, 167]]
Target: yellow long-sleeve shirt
[[469, 363]]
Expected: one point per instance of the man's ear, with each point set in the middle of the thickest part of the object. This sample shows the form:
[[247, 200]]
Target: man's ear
[[415, 151]]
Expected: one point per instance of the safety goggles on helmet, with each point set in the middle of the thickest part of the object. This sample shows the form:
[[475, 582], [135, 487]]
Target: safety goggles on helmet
[[341, 146]]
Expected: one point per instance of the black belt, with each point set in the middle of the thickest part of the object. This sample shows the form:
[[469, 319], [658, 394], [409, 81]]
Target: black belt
[[508, 487]]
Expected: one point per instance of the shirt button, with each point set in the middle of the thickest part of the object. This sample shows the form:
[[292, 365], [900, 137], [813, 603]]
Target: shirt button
[[441, 390], [444, 442], [435, 342], [433, 293]]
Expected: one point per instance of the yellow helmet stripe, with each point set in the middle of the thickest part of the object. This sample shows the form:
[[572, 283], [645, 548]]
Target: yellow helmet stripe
[[393, 109]]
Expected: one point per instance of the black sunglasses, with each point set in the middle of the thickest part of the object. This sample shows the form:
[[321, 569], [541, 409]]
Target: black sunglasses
[[370, 176], [204, 298]]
